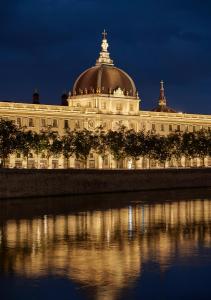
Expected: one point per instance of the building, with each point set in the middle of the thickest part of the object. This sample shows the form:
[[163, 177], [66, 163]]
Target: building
[[102, 95]]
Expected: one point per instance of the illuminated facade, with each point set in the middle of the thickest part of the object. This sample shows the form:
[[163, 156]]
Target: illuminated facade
[[102, 95]]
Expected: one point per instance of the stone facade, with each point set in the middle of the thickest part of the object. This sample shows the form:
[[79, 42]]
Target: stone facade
[[102, 96]]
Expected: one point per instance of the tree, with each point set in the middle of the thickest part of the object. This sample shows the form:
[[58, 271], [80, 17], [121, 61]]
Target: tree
[[161, 149], [67, 145], [188, 145], [8, 142], [116, 144], [135, 145], [100, 144], [202, 144], [83, 142], [25, 142], [175, 146]]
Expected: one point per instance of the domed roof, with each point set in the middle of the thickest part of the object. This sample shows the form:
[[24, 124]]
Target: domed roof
[[104, 77]]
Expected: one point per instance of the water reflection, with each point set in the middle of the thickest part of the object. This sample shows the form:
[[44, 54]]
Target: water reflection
[[108, 249]]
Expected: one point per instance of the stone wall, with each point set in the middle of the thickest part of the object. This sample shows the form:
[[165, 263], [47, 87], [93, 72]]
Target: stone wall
[[16, 183]]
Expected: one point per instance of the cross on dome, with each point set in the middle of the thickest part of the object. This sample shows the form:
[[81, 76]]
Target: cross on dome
[[104, 34], [104, 57]]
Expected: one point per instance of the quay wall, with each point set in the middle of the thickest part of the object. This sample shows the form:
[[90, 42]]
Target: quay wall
[[20, 183]]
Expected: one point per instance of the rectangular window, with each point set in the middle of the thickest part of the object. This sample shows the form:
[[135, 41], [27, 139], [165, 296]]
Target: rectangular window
[[31, 122], [19, 122], [55, 123], [170, 127], [43, 123], [103, 105], [162, 127], [131, 107], [153, 127], [194, 128], [178, 127], [66, 124], [119, 106]]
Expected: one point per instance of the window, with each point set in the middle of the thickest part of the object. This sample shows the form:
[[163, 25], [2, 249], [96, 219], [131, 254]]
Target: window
[[103, 105], [186, 128], [19, 122], [31, 122], [194, 128], [119, 106], [66, 124], [162, 127], [131, 107], [77, 124], [55, 123], [153, 127], [18, 155], [178, 127], [43, 122], [170, 127]]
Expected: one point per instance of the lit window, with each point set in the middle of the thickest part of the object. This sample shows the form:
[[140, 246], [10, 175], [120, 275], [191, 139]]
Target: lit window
[[31, 122]]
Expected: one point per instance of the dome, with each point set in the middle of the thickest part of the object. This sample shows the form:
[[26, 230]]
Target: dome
[[164, 108], [104, 79]]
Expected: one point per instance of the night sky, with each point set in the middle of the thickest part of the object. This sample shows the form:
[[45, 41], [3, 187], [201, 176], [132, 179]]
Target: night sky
[[46, 44]]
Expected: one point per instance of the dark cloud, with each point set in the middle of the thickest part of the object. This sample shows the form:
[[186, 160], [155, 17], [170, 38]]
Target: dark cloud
[[47, 43]]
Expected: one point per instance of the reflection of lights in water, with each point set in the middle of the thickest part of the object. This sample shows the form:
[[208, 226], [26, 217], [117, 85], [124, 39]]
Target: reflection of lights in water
[[130, 220], [45, 224], [95, 248], [142, 219], [108, 236], [38, 235]]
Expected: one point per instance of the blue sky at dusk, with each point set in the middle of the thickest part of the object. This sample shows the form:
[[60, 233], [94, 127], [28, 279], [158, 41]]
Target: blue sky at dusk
[[46, 44]]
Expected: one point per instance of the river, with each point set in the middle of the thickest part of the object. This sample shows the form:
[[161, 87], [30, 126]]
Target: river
[[154, 245]]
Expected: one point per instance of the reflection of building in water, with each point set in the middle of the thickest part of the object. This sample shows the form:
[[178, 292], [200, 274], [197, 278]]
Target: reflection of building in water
[[105, 249]]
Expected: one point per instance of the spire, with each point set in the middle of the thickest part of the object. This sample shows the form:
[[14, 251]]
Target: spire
[[36, 97], [162, 98], [104, 57]]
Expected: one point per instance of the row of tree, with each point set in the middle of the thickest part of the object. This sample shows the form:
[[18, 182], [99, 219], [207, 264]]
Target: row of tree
[[121, 144]]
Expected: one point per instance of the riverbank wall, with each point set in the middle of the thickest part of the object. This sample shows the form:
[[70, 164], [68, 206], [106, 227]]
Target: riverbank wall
[[18, 183]]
